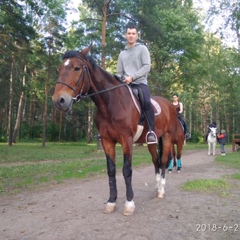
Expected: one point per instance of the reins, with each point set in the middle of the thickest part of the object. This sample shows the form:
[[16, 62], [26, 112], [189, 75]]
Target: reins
[[80, 96]]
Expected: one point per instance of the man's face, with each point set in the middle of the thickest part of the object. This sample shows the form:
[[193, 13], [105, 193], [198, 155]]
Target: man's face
[[131, 36]]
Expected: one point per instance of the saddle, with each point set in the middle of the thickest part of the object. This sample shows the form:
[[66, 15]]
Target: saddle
[[137, 92]]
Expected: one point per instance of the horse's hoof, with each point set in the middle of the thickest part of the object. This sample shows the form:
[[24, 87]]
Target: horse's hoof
[[160, 194], [169, 171], [129, 208], [109, 208]]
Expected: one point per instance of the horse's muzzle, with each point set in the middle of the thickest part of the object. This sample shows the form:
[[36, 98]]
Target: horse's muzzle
[[62, 102]]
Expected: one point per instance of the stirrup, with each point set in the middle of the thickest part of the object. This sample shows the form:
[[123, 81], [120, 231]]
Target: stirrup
[[151, 138]]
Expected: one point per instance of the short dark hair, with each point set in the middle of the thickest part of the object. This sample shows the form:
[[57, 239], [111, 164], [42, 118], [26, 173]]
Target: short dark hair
[[132, 26], [175, 94]]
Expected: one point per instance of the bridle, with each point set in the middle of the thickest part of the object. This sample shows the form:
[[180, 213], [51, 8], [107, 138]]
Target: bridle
[[79, 96], [85, 71]]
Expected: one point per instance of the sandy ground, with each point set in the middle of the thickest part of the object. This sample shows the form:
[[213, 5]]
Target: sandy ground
[[73, 210]]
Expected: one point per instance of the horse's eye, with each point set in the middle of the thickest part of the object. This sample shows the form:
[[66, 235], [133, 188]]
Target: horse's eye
[[76, 69]]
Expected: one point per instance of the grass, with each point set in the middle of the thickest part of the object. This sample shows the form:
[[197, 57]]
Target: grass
[[231, 160], [29, 165], [206, 185]]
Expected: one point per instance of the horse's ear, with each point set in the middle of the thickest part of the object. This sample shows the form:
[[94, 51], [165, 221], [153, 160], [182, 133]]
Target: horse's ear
[[86, 50]]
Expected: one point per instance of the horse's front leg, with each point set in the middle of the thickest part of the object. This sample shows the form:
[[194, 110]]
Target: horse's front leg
[[209, 148], [214, 148], [127, 173], [109, 148]]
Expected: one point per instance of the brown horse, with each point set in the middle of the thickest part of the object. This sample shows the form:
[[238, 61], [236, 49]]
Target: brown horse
[[116, 119], [178, 142]]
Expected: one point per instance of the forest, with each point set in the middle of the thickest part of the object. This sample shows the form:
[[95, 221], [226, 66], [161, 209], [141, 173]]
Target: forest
[[186, 57]]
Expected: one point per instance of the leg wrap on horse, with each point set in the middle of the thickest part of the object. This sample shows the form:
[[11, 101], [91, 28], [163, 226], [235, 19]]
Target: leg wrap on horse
[[127, 173], [113, 189], [179, 163], [170, 167], [112, 180]]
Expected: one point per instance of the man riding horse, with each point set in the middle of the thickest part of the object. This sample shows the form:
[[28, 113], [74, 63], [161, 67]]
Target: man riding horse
[[133, 67]]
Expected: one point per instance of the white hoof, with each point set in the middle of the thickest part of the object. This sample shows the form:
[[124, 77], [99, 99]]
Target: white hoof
[[129, 208], [160, 195], [109, 207]]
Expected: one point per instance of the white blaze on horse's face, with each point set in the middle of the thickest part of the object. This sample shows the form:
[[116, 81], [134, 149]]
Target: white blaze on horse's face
[[213, 131], [67, 62]]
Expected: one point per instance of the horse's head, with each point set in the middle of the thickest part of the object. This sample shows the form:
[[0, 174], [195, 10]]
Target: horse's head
[[213, 131], [73, 80]]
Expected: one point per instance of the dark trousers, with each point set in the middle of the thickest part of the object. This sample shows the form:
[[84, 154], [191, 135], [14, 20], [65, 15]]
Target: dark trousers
[[146, 105]]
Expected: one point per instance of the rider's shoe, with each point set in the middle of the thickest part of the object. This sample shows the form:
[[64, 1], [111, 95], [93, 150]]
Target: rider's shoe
[[151, 138]]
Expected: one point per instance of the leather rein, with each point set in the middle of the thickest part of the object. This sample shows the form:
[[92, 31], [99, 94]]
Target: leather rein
[[79, 96]]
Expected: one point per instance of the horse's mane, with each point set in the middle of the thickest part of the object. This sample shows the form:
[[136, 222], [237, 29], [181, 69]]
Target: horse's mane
[[72, 54]]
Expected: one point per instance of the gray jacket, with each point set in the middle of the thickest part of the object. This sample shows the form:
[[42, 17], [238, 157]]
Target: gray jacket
[[134, 62]]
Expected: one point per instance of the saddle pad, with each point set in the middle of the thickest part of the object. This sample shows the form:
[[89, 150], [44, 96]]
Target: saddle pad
[[156, 107]]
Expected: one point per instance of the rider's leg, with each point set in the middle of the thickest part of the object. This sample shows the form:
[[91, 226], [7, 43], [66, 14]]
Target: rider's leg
[[149, 114]]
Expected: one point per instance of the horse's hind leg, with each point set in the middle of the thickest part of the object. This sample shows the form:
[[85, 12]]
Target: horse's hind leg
[[164, 149], [172, 159], [179, 154], [152, 148]]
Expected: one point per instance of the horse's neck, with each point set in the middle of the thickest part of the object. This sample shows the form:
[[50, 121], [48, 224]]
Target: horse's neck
[[110, 98]]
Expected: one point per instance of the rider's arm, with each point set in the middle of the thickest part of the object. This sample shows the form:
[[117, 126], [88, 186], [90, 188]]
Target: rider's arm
[[181, 108]]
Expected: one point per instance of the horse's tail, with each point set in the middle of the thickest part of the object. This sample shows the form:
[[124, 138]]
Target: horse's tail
[[160, 151]]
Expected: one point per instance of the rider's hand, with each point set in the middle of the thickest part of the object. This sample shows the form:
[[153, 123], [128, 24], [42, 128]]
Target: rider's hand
[[128, 80]]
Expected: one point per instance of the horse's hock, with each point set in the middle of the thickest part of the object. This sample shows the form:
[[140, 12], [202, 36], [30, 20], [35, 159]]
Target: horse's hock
[[236, 142]]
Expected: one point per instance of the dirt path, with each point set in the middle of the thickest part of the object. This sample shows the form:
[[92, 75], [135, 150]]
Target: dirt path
[[73, 211]]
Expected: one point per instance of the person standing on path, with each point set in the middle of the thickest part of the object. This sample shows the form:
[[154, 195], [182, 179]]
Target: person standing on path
[[222, 138]]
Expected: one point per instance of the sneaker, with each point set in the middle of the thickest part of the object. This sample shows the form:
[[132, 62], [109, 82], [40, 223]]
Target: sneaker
[[187, 135], [223, 154], [151, 138]]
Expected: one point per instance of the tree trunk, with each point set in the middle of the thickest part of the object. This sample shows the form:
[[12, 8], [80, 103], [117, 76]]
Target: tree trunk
[[104, 22], [19, 113], [10, 125], [60, 127], [90, 122], [46, 104]]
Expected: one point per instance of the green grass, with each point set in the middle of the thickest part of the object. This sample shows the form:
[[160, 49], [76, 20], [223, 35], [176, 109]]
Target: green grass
[[34, 152], [28, 165], [206, 185], [231, 160]]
